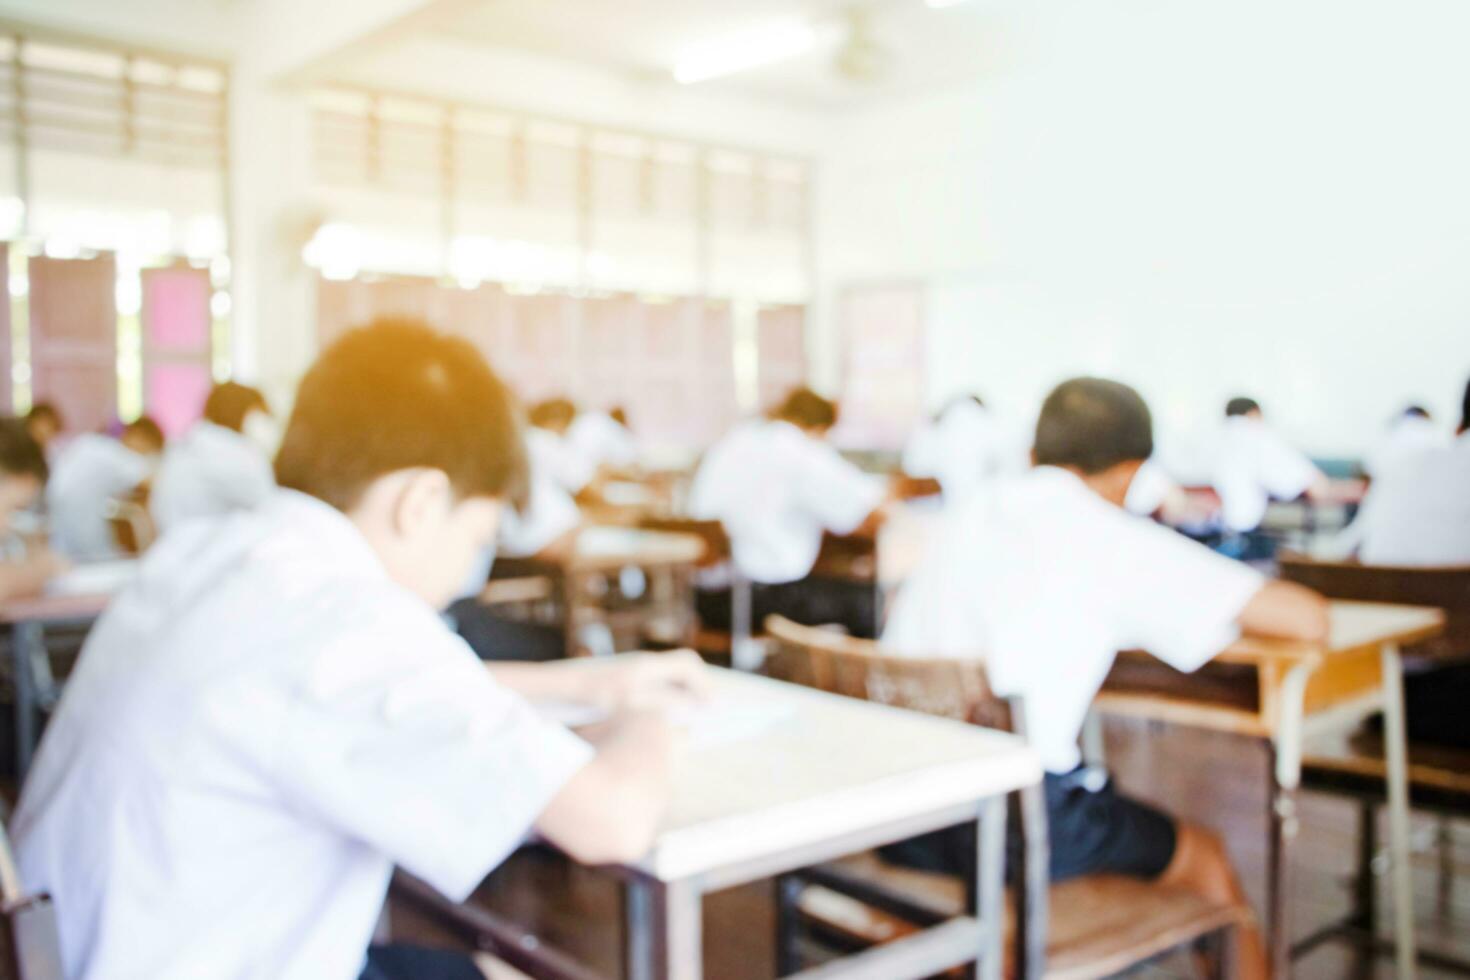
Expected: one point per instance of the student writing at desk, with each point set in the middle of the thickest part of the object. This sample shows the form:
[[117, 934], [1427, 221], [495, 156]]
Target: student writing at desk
[[221, 464], [90, 472], [25, 565], [1046, 577], [274, 716], [777, 485], [1252, 465]]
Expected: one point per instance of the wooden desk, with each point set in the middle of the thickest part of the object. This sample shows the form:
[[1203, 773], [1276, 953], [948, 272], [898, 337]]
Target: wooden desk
[[669, 559], [1281, 691], [826, 777], [30, 661]]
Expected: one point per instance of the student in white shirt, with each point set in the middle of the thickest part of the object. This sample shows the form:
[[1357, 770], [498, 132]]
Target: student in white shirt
[[964, 446], [1417, 511], [25, 564], [90, 473], [1254, 465], [274, 716], [777, 486], [1045, 577], [1411, 432], [603, 440], [221, 464], [552, 451]]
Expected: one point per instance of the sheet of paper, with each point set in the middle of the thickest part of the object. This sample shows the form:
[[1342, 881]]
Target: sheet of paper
[[720, 721]]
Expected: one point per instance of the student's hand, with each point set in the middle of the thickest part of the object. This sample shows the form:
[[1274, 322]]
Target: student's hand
[[48, 564], [650, 682]]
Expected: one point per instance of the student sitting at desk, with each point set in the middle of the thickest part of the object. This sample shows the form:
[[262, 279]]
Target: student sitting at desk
[[274, 715], [221, 464], [777, 485], [1046, 577], [91, 472], [1410, 433], [1253, 465], [550, 448], [25, 565], [603, 440], [964, 446]]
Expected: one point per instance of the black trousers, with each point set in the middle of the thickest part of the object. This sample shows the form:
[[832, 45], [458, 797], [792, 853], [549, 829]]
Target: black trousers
[[402, 962], [810, 601], [496, 638]]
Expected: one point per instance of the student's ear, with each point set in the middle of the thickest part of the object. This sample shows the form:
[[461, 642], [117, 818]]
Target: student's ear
[[423, 497]]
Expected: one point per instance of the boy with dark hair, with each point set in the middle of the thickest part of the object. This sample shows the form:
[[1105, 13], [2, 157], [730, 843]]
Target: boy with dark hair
[[1253, 465], [777, 486], [274, 715], [25, 566], [44, 423], [91, 472], [221, 464], [1046, 577]]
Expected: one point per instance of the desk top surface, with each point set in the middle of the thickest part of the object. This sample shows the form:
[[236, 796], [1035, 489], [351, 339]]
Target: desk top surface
[[82, 592], [1355, 625], [798, 767], [601, 547]]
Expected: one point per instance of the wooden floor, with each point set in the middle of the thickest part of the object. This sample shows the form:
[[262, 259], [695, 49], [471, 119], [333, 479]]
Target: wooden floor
[[1216, 780]]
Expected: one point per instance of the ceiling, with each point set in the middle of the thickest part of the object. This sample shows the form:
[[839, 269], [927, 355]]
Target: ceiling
[[920, 48]]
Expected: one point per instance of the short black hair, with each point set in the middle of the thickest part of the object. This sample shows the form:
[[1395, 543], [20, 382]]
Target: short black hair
[[146, 429], [1241, 406], [398, 395], [20, 454], [553, 413], [1092, 424], [45, 412], [229, 403], [1465, 410], [1417, 412], [806, 409]]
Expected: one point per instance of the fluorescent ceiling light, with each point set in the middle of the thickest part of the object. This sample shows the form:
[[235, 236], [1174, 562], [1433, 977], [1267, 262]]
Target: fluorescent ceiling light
[[742, 52]]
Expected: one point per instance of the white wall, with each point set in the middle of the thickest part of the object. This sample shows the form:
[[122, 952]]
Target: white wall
[[1201, 198]]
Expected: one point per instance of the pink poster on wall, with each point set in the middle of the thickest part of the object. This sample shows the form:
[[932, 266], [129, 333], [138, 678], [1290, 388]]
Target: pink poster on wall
[[176, 394], [176, 317]]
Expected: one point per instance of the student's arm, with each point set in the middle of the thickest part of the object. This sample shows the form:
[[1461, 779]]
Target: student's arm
[[1285, 610], [611, 809], [29, 575], [628, 682]]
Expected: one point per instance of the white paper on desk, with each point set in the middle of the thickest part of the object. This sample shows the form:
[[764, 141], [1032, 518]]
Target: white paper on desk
[[719, 721], [94, 578]]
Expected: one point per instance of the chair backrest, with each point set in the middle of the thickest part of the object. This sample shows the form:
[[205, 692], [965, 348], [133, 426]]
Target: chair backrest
[[957, 689], [842, 664], [1445, 587], [31, 944]]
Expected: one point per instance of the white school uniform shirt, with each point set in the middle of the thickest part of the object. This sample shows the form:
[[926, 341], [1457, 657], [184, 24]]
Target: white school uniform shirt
[[258, 730], [602, 441], [776, 490], [548, 513], [1045, 581], [211, 471], [961, 449], [1417, 513], [554, 455], [1408, 436], [91, 472], [1252, 466]]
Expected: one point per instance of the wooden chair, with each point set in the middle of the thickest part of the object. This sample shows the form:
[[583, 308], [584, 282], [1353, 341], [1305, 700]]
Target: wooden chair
[[1084, 928], [1352, 765], [738, 643], [30, 948]]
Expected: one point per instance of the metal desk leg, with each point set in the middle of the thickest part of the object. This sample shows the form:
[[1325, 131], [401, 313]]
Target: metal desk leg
[[26, 642], [1395, 750], [1286, 779], [788, 924], [743, 653], [663, 922], [985, 888]]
